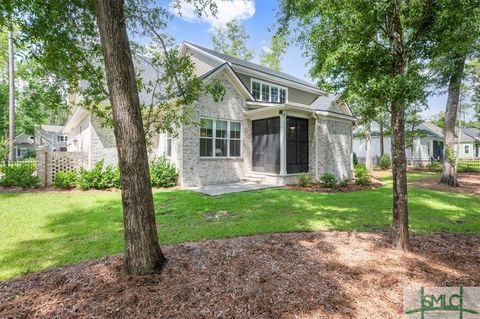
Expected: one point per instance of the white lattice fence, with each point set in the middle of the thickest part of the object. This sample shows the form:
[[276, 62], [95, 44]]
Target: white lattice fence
[[50, 163]]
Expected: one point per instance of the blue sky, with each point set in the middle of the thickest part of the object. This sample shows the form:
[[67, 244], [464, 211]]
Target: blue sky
[[257, 17]]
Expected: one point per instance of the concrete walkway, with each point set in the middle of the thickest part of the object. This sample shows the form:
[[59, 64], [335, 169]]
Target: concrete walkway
[[214, 190]]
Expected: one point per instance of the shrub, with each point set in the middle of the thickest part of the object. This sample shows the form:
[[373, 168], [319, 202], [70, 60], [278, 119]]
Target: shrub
[[361, 175], [328, 180], [162, 173], [19, 175], [65, 179], [355, 159], [344, 183], [99, 177], [30, 154], [305, 180], [385, 161]]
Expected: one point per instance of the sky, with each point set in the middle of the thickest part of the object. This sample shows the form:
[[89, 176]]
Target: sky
[[258, 17]]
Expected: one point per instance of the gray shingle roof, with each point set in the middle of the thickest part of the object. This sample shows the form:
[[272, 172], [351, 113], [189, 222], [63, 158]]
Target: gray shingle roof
[[253, 66], [473, 132]]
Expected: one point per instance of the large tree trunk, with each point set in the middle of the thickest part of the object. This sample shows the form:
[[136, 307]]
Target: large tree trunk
[[11, 98], [142, 251], [382, 144], [400, 234], [368, 144], [449, 175]]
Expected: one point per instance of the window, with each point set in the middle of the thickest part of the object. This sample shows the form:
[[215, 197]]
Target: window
[[256, 90], [21, 152], [206, 137], [168, 148], [61, 138], [283, 95], [466, 149], [220, 138], [234, 139], [267, 92]]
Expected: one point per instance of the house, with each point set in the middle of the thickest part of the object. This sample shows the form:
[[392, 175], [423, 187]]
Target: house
[[52, 138], [469, 143], [24, 144], [425, 149], [268, 126]]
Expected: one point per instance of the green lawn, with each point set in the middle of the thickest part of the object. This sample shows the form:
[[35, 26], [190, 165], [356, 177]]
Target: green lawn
[[42, 230]]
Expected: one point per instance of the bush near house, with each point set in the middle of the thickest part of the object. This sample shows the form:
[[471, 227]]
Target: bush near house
[[162, 173], [99, 177], [362, 177], [22, 175], [65, 179], [328, 180], [305, 180], [385, 161]]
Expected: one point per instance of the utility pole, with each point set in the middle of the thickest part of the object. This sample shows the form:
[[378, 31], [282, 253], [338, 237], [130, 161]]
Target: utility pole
[[11, 96]]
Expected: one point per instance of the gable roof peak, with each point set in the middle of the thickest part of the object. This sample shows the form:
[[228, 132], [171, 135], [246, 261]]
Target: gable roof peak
[[233, 61]]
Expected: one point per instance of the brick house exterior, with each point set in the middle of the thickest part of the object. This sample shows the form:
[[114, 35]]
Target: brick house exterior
[[268, 125]]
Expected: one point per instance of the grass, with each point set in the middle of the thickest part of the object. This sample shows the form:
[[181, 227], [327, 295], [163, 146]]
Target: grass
[[469, 166], [43, 230]]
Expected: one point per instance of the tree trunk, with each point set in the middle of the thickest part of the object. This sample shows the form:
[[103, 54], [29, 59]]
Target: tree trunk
[[449, 175], [368, 144], [382, 145], [400, 234], [142, 250], [11, 98]]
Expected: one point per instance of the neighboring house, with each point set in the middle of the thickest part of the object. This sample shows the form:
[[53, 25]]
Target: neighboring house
[[269, 126], [469, 143], [52, 138], [423, 150], [23, 144]]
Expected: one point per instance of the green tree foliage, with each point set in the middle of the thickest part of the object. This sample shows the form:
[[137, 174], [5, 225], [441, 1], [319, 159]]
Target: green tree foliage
[[232, 40], [272, 57], [370, 49], [439, 119]]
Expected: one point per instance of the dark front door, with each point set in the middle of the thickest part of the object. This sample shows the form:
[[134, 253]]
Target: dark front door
[[297, 145], [266, 145], [437, 150]]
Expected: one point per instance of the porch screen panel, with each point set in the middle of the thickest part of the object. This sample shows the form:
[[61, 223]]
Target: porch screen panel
[[266, 145], [297, 145]]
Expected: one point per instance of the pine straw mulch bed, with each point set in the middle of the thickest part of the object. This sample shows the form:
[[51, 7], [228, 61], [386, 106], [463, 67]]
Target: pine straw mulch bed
[[351, 187], [469, 184], [295, 275]]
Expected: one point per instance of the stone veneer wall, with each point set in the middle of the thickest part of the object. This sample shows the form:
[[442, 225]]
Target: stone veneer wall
[[334, 153], [195, 171]]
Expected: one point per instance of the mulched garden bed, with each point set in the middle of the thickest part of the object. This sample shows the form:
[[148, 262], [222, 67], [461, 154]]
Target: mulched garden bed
[[295, 275], [319, 188], [469, 184]]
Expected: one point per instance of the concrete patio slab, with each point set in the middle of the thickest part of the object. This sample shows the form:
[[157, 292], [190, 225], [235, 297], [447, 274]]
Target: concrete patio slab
[[221, 189]]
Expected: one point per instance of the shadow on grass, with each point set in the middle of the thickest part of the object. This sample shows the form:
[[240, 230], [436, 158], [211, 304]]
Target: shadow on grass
[[86, 233]]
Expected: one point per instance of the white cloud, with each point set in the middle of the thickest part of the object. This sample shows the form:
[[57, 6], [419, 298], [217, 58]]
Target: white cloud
[[266, 49], [227, 10]]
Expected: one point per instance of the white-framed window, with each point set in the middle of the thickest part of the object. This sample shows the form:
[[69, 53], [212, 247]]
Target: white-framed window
[[268, 92], [21, 152], [466, 149], [61, 138], [220, 138]]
